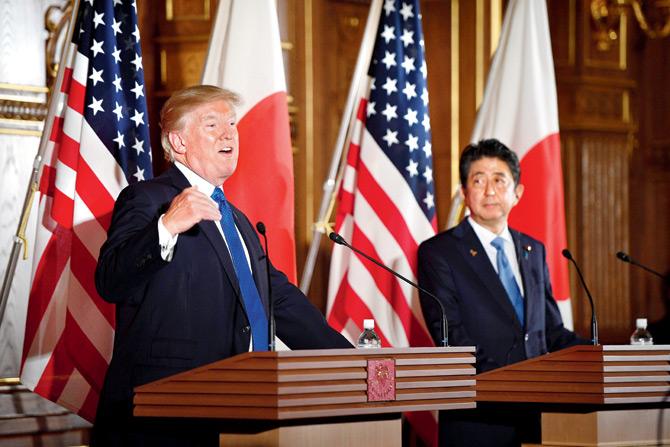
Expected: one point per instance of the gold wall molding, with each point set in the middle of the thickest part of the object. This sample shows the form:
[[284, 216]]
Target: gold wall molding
[[309, 80], [173, 14], [479, 52], [23, 109], [602, 81], [455, 97], [496, 24], [182, 39], [56, 19], [190, 57], [614, 56]]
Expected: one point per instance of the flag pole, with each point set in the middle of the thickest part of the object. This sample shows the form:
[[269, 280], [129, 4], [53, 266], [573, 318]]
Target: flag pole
[[20, 237], [339, 154]]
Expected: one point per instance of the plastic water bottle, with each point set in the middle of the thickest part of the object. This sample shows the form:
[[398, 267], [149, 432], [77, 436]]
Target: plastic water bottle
[[369, 338], [641, 336]]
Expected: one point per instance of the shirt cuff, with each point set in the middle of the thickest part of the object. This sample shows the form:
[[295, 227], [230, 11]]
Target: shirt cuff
[[166, 240]]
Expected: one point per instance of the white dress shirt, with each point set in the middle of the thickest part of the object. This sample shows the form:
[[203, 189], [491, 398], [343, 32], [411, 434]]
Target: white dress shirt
[[167, 241], [486, 236]]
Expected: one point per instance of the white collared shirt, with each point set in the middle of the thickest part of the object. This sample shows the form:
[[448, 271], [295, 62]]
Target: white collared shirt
[[486, 236], [167, 241]]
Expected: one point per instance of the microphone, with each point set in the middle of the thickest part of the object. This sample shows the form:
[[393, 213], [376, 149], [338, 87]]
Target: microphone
[[626, 258], [272, 330], [594, 321], [445, 325]]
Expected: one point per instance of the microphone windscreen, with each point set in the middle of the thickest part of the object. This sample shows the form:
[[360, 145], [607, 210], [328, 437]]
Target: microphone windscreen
[[623, 256], [566, 254], [260, 227], [335, 238]]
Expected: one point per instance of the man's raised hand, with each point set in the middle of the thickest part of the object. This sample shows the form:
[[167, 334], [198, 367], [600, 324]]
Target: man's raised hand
[[187, 209]]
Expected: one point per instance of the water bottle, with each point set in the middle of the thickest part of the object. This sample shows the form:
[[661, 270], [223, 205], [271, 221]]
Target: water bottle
[[641, 336], [369, 338]]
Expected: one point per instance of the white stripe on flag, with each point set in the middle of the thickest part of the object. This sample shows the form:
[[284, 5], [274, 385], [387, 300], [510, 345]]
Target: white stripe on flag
[[351, 331], [387, 248], [357, 130], [66, 179], [43, 231], [339, 261], [393, 183], [48, 333], [72, 124], [90, 320], [102, 162], [80, 68], [349, 179], [75, 391], [362, 282], [87, 228]]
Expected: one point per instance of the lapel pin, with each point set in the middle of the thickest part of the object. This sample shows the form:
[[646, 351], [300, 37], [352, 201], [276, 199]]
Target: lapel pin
[[473, 252], [526, 250]]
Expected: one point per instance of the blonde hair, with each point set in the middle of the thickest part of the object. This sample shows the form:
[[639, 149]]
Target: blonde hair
[[175, 109]]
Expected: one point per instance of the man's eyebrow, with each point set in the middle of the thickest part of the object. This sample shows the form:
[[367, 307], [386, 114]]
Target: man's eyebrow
[[214, 115]]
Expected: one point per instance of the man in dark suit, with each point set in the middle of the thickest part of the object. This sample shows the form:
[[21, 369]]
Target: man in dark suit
[[187, 273], [495, 286]]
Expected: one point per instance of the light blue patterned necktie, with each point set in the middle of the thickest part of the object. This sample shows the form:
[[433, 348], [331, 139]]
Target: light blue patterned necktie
[[507, 278], [252, 300]]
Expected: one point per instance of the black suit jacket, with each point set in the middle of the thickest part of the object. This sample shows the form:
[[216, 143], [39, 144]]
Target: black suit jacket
[[455, 267], [177, 315]]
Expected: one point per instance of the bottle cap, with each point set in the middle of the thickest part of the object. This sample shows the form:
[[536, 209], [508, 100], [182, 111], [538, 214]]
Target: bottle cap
[[641, 323], [368, 324]]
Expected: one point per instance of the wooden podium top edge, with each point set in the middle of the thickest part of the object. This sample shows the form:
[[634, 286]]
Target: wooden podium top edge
[[375, 352], [636, 347]]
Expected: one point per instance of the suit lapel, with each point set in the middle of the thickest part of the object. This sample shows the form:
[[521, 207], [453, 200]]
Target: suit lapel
[[525, 258], [475, 255], [211, 233]]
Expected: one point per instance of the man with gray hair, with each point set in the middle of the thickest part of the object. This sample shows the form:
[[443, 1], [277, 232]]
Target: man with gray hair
[[187, 273]]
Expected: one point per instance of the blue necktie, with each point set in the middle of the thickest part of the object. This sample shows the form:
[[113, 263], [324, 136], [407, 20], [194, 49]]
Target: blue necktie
[[507, 278], [252, 300]]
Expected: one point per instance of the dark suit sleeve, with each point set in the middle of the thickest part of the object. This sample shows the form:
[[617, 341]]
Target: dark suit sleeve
[[557, 336], [435, 275], [131, 254], [299, 324]]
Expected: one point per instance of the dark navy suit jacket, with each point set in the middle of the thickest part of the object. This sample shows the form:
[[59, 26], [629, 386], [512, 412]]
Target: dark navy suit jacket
[[454, 266], [177, 315]]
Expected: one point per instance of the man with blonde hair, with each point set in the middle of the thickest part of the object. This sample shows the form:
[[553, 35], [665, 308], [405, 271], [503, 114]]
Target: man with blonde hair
[[187, 273]]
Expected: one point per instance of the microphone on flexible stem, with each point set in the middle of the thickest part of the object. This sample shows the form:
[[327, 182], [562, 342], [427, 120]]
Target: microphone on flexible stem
[[594, 321], [272, 330], [626, 258], [445, 325]]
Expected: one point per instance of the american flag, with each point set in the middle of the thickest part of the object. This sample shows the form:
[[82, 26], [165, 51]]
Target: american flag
[[386, 200], [98, 143]]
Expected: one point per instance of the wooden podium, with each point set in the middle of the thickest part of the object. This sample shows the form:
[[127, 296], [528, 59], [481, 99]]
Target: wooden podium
[[591, 395], [329, 397]]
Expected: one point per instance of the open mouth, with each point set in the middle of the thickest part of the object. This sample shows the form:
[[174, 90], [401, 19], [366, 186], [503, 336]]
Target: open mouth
[[226, 150]]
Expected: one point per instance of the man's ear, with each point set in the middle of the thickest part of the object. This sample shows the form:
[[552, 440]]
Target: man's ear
[[177, 142], [518, 191]]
